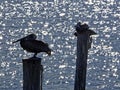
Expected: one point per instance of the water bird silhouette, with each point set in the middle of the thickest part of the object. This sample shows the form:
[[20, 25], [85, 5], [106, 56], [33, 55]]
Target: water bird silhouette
[[83, 28], [30, 44]]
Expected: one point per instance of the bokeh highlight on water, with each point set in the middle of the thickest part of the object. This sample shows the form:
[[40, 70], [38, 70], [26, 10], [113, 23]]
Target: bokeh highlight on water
[[53, 21]]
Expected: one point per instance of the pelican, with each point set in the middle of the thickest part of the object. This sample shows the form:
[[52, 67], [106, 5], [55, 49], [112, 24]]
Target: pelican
[[83, 28], [30, 44]]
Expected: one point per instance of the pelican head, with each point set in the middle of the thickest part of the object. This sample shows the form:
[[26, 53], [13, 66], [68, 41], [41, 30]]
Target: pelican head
[[29, 37], [78, 25]]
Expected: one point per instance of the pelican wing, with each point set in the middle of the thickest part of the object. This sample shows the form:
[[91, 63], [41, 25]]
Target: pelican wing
[[35, 46]]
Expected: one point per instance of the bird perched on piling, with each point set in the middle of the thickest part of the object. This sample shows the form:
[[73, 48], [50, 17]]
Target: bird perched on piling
[[83, 28], [30, 44]]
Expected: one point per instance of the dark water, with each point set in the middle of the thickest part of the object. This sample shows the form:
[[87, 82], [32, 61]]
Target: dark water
[[53, 21]]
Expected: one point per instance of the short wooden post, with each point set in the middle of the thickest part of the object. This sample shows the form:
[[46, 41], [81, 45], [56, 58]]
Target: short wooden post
[[32, 74]]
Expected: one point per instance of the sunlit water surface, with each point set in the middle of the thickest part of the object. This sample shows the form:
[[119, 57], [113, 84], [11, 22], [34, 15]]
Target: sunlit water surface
[[53, 21]]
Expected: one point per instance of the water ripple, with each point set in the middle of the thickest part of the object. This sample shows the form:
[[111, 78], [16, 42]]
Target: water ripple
[[53, 21]]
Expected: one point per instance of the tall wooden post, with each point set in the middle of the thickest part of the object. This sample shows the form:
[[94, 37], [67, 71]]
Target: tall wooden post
[[83, 44], [81, 62], [32, 74]]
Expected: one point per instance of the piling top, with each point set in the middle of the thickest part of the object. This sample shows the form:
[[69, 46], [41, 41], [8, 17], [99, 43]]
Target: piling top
[[32, 59]]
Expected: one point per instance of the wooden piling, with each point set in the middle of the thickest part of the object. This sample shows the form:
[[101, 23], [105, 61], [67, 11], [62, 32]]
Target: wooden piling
[[81, 62], [32, 74]]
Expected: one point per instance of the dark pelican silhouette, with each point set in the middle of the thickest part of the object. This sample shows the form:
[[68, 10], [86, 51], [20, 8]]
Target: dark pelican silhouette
[[30, 44], [83, 28]]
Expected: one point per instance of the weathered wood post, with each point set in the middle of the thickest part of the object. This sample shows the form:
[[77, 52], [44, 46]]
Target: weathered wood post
[[83, 44], [32, 68], [32, 74]]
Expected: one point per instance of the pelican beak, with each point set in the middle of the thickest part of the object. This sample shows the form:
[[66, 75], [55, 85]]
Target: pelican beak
[[91, 32], [18, 40]]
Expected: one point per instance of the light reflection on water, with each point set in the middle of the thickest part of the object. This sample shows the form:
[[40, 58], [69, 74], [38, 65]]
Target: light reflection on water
[[54, 23]]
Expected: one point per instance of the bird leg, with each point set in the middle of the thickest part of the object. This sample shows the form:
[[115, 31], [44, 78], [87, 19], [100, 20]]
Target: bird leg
[[35, 55]]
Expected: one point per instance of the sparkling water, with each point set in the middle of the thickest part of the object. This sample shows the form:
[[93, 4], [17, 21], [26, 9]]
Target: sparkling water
[[53, 22]]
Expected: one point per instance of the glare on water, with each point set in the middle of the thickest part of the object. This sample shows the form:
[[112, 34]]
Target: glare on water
[[53, 21]]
